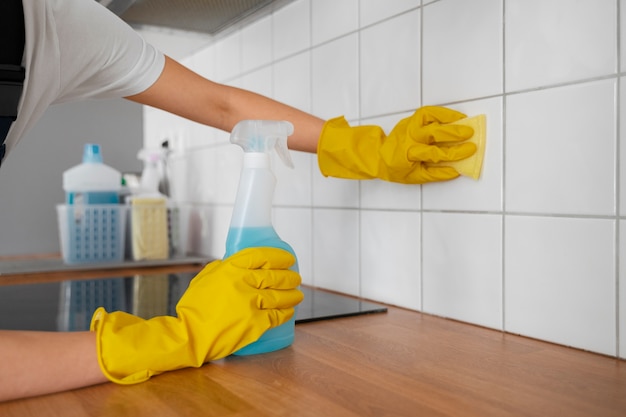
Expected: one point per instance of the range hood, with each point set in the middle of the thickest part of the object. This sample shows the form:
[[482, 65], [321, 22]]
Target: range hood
[[203, 16]]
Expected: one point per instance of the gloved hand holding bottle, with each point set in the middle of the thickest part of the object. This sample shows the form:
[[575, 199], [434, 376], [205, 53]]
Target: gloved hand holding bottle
[[404, 156], [227, 306]]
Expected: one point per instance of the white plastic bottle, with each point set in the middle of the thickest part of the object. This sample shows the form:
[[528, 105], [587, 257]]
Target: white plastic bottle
[[251, 223], [92, 182]]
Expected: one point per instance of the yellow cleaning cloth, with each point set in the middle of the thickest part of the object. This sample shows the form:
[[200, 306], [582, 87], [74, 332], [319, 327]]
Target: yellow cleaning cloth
[[471, 167], [149, 228]]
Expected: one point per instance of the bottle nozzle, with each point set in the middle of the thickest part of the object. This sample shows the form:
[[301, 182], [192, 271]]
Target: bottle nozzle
[[262, 136], [91, 153], [151, 155]]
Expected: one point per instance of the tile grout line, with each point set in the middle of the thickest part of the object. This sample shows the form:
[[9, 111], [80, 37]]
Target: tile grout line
[[617, 226], [312, 167], [421, 188], [359, 187], [503, 179], [504, 214]]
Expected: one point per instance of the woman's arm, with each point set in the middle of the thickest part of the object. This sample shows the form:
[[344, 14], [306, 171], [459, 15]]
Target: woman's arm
[[183, 92], [37, 363]]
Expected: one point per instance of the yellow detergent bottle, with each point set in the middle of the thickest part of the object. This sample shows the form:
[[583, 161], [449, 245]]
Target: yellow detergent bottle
[[251, 223]]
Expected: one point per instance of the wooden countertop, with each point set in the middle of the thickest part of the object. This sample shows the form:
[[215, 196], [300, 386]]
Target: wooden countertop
[[400, 363]]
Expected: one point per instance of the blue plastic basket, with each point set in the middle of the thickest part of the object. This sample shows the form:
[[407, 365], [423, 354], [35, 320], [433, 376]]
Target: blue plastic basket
[[92, 233]]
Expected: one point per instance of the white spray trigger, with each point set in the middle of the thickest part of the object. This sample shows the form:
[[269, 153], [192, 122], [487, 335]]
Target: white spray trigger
[[283, 152], [263, 136]]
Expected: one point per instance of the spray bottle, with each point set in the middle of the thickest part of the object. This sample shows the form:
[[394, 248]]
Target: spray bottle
[[251, 223]]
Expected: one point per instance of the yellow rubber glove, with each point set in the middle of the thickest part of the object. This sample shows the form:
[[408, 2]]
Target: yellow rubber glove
[[227, 306], [365, 152]]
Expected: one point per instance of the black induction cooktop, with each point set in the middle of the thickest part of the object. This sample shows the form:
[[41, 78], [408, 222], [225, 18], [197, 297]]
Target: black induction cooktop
[[69, 305]]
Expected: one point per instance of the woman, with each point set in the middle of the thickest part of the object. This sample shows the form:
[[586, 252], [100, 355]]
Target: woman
[[76, 49]]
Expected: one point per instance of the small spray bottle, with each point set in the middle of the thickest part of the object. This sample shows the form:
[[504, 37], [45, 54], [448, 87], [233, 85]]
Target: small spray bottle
[[251, 223]]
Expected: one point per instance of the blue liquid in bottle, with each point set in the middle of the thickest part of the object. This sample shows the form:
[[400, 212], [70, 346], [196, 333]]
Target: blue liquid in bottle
[[247, 237]]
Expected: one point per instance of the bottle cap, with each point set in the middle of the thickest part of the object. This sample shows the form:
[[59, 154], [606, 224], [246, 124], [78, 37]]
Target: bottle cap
[[91, 153]]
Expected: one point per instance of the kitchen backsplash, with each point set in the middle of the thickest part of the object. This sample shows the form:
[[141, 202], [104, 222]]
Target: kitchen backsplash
[[536, 247]]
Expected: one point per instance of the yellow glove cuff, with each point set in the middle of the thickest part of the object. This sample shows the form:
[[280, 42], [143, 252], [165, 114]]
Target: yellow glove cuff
[[338, 145]]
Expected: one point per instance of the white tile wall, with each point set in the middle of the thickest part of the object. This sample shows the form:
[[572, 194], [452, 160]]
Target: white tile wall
[[622, 22], [536, 246], [331, 19], [560, 280], [462, 50], [381, 44], [390, 257], [295, 225], [335, 78], [336, 250], [292, 28], [558, 41], [622, 147], [560, 150], [372, 11], [292, 81], [227, 57], [462, 267], [256, 44], [621, 300], [622, 223]]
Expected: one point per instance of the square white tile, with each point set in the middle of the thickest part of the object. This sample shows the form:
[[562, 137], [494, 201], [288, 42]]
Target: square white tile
[[384, 195], [622, 139], [622, 9], [294, 186], [200, 232], [256, 44], [292, 28], [462, 50], [203, 62], [228, 57], [213, 236], [228, 164], [390, 65], [622, 290], [463, 193], [331, 19], [201, 165], [334, 192], [555, 41], [462, 271], [379, 194], [335, 79], [292, 81], [177, 175], [294, 226], [560, 281], [336, 250], [372, 11], [259, 81], [390, 257], [560, 150]]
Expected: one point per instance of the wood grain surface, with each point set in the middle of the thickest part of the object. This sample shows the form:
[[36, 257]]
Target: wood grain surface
[[400, 363]]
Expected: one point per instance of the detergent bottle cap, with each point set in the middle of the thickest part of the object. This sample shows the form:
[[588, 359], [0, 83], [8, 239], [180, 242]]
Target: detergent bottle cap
[[263, 136], [91, 153]]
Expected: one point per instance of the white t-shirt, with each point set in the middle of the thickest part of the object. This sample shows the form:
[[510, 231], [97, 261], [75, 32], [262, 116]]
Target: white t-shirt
[[75, 50]]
